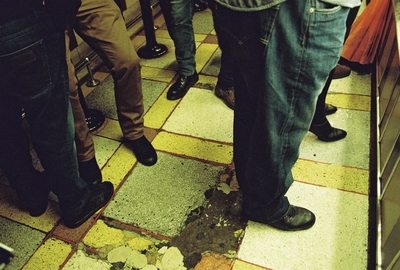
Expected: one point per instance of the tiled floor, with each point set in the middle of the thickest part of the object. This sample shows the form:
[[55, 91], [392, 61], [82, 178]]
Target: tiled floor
[[150, 221]]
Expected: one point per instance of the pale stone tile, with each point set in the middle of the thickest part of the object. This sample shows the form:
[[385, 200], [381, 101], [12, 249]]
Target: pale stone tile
[[351, 151], [354, 84], [201, 114], [23, 239], [338, 240], [159, 198]]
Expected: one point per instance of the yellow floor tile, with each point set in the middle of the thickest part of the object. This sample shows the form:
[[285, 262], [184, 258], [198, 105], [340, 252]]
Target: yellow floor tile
[[159, 112], [240, 265], [119, 165], [205, 79], [348, 101], [156, 74], [110, 129], [192, 147], [51, 255], [199, 37], [331, 175], [203, 54], [101, 235], [9, 208]]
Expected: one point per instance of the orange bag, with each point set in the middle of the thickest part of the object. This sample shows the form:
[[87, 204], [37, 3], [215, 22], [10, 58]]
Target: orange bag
[[366, 32]]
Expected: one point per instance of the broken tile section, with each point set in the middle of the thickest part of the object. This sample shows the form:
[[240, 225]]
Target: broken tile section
[[214, 262]]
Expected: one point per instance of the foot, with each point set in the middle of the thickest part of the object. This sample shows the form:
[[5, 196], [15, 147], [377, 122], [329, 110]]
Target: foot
[[296, 219], [100, 194], [181, 86], [341, 71], [90, 172], [327, 133], [228, 96], [199, 6], [143, 150], [37, 202], [330, 109]]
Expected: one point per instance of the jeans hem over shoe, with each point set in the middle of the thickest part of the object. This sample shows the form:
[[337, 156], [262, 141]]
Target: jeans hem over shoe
[[178, 16], [283, 56]]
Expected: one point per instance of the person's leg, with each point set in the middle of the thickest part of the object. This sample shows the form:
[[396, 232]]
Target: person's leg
[[38, 86], [178, 16], [88, 168], [15, 160], [39, 83], [281, 82], [52, 133], [102, 27], [224, 88], [320, 125]]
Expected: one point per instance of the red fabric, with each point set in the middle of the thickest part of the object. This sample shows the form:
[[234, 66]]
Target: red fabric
[[366, 32]]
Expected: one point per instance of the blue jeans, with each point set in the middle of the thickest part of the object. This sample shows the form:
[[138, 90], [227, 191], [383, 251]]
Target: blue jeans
[[225, 75], [33, 76], [283, 57], [178, 16]]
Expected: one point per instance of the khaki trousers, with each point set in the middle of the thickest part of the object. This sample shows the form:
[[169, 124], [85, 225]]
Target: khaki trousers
[[101, 25]]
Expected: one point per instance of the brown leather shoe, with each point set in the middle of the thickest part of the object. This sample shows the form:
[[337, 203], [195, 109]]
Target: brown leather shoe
[[341, 71], [228, 96]]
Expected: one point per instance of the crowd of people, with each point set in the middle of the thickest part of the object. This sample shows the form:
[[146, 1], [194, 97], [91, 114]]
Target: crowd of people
[[278, 58]]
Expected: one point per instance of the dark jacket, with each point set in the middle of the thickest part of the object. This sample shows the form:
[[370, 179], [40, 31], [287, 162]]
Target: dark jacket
[[60, 11]]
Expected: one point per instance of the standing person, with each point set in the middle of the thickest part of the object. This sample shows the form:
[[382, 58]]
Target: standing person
[[284, 51], [101, 25], [178, 15], [33, 76], [320, 125], [224, 88]]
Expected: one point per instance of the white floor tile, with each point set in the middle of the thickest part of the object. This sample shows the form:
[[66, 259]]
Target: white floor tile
[[202, 114], [351, 151], [338, 240], [353, 84]]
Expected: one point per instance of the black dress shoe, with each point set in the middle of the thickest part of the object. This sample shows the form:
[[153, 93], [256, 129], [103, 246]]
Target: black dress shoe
[[327, 133], [100, 194], [330, 109], [181, 86], [296, 219], [144, 151], [199, 6]]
